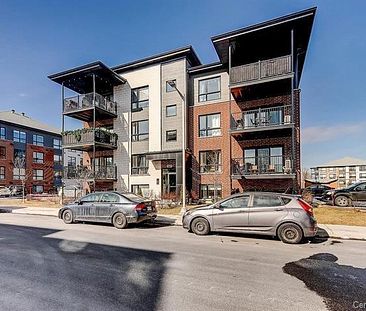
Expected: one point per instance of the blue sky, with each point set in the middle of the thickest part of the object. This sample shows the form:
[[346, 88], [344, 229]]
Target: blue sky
[[43, 37]]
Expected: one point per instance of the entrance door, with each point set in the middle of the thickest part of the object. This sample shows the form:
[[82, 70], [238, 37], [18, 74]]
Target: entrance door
[[169, 184]]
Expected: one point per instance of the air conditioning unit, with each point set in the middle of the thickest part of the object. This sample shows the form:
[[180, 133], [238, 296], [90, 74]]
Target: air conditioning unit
[[287, 119], [288, 166]]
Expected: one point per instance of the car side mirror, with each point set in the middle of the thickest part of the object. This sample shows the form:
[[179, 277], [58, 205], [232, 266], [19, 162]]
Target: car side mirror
[[217, 205], [357, 189]]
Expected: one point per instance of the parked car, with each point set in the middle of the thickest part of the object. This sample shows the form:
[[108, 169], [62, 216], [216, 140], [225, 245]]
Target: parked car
[[5, 191], [120, 209], [17, 190], [347, 196], [285, 216], [318, 190]]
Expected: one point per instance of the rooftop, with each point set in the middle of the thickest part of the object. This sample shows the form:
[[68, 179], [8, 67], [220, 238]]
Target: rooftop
[[23, 120], [346, 161]]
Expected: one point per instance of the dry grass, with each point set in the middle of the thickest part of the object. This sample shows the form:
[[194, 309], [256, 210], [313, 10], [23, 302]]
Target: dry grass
[[33, 203], [174, 210], [338, 216]]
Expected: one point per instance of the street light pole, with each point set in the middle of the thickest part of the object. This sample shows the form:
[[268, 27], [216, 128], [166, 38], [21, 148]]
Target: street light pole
[[173, 84]]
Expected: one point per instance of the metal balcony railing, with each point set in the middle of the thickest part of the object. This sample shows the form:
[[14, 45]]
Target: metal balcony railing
[[261, 70], [211, 168], [261, 118], [264, 165], [88, 136], [85, 101], [108, 172]]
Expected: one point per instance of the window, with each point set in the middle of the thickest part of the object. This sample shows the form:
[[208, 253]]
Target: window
[[71, 161], [38, 140], [171, 135], [140, 165], [37, 174], [209, 89], [38, 157], [18, 173], [57, 143], [140, 130], [266, 200], [19, 136], [264, 160], [361, 187], [363, 168], [57, 159], [238, 202], [141, 190], [209, 125], [210, 161], [2, 153], [37, 189], [110, 198], [168, 87], [171, 110], [139, 98], [362, 175], [208, 191], [93, 197], [2, 172], [2, 133]]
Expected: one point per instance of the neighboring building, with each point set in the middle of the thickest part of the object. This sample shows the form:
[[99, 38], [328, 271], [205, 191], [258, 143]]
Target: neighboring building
[[345, 171], [29, 151], [240, 116]]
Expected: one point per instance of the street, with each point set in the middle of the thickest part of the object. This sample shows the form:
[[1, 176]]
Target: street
[[47, 265]]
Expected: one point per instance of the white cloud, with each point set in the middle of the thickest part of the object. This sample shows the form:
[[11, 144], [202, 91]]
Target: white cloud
[[318, 134], [22, 95]]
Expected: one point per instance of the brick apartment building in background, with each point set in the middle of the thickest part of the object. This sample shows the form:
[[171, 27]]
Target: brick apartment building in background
[[235, 123], [29, 150]]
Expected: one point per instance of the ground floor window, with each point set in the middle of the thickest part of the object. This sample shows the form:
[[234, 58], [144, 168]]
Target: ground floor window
[[210, 191], [37, 189], [142, 190], [140, 165], [2, 172]]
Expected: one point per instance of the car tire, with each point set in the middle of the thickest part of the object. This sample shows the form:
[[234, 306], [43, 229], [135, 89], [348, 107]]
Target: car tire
[[342, 201], [200, 226], [119, 221], [67, 216], [290, 233]]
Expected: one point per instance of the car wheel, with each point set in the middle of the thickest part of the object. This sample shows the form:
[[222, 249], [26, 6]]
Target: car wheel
[[200, 226], [342, 201], [119, 221], [290, 233], [67, 217]]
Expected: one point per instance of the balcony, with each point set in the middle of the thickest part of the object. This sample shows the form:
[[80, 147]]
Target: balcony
[[261, 119], [85, 139], [261, 71], [108, 172], [265, 167], [82, 107]]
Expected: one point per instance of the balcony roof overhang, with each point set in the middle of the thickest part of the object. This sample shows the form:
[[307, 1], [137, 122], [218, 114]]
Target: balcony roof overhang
[[80, 79], [267, 39]]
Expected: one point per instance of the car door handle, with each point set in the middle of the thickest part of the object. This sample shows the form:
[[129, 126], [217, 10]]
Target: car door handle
[[279, 209]]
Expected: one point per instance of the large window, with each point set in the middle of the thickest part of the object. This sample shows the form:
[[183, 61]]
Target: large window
[[171, 135], [209, 89], [209, 125], [37, 174], [140, 165], [2, 172], [57, 143], [210, 161], [38, 157], [2, 153], [210, 191], [142, 190], [139, 98], [18, 173], [140, 130], [2, 133], [38, 140], [171, 110], [57, 159], [264, 160], [19, 136]]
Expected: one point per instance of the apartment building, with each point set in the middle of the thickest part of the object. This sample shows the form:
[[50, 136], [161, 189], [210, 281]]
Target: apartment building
[[234, 124], [343, 172], [30, 152]]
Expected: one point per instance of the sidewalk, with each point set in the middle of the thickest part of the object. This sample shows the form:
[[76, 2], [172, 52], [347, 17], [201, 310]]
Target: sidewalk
[[332, 231]]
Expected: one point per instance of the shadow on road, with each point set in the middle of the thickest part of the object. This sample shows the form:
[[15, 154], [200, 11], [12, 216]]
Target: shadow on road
[[43, 273], [342, 287]]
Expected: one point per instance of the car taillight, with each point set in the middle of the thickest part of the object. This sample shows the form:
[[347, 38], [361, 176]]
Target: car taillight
[[140, 207], [306, 206]]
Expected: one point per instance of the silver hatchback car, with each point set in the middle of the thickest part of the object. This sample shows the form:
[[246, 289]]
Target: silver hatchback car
[[285, 216]]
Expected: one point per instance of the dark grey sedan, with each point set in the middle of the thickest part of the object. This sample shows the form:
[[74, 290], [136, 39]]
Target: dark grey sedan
[[120, 209]]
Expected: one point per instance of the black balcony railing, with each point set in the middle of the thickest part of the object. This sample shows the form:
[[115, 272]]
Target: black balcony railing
[[85, 101], [261, 118], [88, 136], [264, 165], [261, 70], [102, 172]]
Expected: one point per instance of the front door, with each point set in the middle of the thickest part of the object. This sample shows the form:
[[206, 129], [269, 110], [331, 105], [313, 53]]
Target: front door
[[231, 214], [169, 182]]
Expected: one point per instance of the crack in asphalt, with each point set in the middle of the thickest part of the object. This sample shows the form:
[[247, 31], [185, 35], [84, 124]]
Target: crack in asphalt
[[342, 287]]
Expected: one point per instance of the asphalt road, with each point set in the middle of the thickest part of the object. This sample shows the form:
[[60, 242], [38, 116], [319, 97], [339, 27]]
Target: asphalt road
[[47, 265]]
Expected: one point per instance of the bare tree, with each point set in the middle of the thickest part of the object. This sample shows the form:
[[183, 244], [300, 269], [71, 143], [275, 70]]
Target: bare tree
[[20, 170]]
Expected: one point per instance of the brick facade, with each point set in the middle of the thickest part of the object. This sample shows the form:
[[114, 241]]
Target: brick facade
[[7, 162]]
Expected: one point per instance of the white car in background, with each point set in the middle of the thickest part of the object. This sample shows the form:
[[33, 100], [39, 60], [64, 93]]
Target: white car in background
[[5, 191]]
